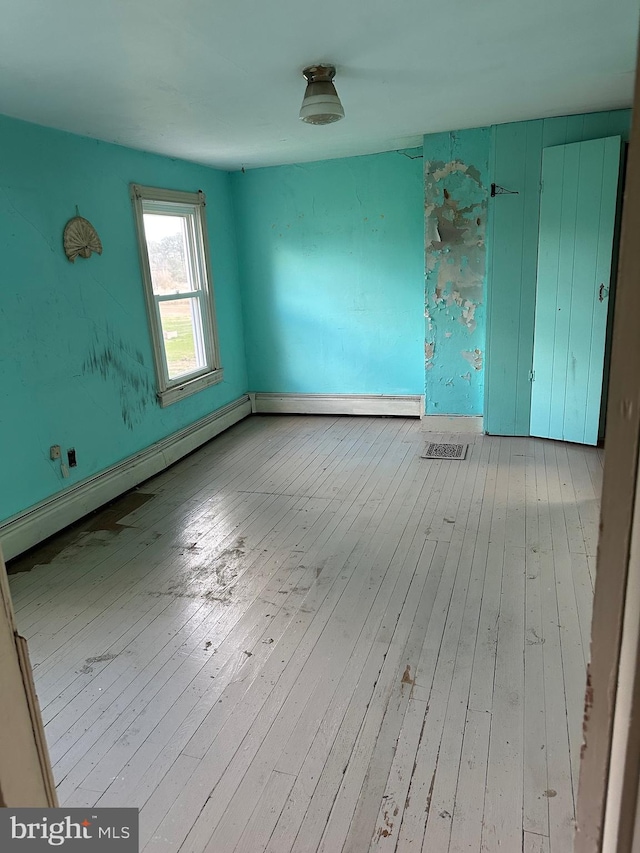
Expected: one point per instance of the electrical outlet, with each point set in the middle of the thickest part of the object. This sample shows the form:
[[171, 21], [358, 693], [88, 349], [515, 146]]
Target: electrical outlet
[[54, 451], [71, 456]]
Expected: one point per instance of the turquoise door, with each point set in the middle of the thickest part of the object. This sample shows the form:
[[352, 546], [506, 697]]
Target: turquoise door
[[575, 246]]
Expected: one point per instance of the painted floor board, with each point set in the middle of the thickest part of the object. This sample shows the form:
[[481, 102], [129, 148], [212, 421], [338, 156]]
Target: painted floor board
[[305, 637]]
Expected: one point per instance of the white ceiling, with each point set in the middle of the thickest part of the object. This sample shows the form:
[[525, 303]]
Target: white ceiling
[[218, 81]]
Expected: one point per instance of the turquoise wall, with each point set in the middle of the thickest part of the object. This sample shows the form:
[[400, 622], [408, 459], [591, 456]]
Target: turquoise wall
[[330, 258], [513, 249], [456, 172], [331, 261], [58, 318]]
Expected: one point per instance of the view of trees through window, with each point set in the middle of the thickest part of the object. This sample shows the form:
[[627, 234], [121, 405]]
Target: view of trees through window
[[181, 321], [166, 245]]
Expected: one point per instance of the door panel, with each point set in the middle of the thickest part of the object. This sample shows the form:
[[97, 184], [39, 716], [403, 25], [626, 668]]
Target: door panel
[[577, 220], [25, 770]]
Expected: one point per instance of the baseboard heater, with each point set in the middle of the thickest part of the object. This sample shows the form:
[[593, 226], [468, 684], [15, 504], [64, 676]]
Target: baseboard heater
[[53, 514], [403, 406], [26, 529]]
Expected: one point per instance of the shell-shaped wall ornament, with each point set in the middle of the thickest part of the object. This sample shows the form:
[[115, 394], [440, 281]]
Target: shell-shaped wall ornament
[[80, 238]]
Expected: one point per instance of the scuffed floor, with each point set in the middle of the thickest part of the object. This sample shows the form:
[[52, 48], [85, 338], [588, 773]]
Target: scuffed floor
[[309, 638]]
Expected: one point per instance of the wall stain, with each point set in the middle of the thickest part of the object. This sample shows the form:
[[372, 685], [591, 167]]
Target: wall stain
[[118, 362]]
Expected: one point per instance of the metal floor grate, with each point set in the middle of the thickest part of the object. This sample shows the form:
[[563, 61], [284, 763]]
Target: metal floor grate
[[445, 451]]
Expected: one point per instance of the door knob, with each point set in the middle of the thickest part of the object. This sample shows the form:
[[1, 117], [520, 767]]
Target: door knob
[[602, 292]]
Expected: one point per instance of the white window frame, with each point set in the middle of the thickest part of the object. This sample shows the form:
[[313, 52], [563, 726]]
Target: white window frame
[[180, 203]]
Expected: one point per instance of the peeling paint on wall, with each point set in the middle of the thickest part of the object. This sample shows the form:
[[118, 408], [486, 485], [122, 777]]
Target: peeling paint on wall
[[468, 315], [455, 217], [474, 358], [456, 204], [429, 349], [428, 319]]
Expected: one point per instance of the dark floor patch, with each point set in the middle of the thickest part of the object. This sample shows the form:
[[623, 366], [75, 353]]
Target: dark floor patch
[[406, 676], [213, 580], [87, 669], [107, 518], [102, 658], [44, 553]]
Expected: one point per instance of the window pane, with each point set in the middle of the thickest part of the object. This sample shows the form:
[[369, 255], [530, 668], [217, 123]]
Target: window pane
[[182, 336], [168, 251]]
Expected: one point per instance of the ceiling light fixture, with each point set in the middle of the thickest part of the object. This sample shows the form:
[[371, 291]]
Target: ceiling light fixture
[[321, 104]]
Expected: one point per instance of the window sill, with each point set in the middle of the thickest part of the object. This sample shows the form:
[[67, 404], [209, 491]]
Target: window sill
[[191, 386]]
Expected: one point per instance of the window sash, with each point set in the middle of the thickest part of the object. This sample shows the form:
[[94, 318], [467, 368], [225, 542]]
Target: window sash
[[199, 339], [170, 297]]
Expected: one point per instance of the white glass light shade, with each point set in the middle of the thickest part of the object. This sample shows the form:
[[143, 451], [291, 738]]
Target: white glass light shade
[[321, 104]]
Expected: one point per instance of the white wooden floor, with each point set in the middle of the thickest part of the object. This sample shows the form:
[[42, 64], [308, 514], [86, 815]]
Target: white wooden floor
[[313, 639]]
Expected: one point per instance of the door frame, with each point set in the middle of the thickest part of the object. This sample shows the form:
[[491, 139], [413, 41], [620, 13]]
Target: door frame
[[608, 788], [25, 770]]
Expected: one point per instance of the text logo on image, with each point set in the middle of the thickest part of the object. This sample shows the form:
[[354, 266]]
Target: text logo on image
[[101, 830]]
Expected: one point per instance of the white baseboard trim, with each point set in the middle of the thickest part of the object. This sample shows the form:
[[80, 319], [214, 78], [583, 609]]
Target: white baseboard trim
[[338, 404], [452, 423], [53, 514]]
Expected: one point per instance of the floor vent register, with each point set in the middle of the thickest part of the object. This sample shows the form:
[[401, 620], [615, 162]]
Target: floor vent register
[[445, 451]]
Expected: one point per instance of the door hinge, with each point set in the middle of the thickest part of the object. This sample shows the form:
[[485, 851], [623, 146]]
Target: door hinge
[[532, 376]]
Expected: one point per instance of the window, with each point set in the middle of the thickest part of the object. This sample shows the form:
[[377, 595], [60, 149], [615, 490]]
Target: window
[[174, 255]]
